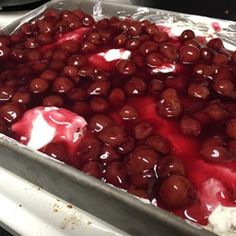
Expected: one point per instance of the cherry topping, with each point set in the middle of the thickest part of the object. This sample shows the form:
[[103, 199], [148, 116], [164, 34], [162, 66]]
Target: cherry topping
[[62, 85], [169, 106], [231, 128], [10, 112], [98, 122], [135, 86], [214, 149], [88, 149], [198, 90], [6, 93], [127, 146], [215, 44], [187, 34], [144, 180], [148, 47], [49, 75], [176, 191], [190, 126], [141, 159], [128, 113], [99, 88], [108, 154], [169, 51], [38, 86], [98, 105], [189, 54], [216, 111], [112, 135], [120, 40], [224, 87], [116, 174], [21, 97], [117, 97], [53, 100], [170, 165], [57, 151], [92, 168], [154, 59], [159, 144], [126, 67]]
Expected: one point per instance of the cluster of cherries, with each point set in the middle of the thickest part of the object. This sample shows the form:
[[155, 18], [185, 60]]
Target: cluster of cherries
[[54, 61]]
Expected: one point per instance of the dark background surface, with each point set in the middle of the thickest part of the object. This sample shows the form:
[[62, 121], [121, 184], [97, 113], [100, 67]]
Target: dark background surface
[[225, 9]]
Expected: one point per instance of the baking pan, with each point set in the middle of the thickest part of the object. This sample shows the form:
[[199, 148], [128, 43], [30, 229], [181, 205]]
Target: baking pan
[[97, 198]]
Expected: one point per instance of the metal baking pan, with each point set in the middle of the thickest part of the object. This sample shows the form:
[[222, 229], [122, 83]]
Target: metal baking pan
[[97, 198]]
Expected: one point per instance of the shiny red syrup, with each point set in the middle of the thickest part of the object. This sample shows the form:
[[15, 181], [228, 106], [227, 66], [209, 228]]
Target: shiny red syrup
[[126, 103]]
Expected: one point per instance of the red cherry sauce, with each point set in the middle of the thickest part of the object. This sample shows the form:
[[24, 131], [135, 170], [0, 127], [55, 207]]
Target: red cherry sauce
[[129, 81], [43, 125]]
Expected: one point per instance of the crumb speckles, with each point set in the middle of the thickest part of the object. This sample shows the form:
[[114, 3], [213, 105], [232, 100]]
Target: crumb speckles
[[70, 222], [55, 207]]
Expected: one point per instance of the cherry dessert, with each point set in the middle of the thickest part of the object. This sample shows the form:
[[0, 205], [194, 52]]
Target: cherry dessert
[[126, 103]]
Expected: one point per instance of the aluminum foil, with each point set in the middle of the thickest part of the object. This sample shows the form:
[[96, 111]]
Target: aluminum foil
[[175, 22]]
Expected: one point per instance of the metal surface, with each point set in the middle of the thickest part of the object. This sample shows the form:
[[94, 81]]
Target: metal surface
[[101, 200], [91, 195]]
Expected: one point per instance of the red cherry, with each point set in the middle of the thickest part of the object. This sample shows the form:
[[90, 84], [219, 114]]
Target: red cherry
[[140, 160], [99, 105], [176, 191], [108, 154], [186, 35], [77, 94], [62, 85], [215, 44], [170, 165], [116, 174], [144, 180], [81, 108], [57, 150], [116, 97], [216, 111], [128, 113], [231, 128], [135, 86], [126, 67], [169, 51], [38, 86], [11, 112], [92, 168], [190, 126], [127, 146], [99, 88], [214, 149], [112, 135], [159, 144], [198, 90], [98, 122], [53, 100], [6, 93], [21, 97], [148, 47], [189, 54], [88, 149]]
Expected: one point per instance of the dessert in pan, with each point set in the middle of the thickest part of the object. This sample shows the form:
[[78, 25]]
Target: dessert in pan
[[127, 103]]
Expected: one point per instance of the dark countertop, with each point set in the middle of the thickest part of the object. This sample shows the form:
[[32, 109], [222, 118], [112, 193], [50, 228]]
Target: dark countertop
[[225, 9]]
